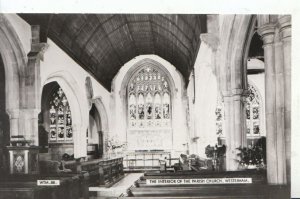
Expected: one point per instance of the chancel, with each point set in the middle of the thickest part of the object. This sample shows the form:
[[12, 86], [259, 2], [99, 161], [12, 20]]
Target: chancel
[[145, 105]]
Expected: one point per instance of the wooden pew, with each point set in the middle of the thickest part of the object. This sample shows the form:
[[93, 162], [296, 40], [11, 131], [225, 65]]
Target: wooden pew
[[208, 172], [216, 191], [75, 178], [258, 177], [212, 190], [258, 189], [101, 172], [15, 187], [111, 171]]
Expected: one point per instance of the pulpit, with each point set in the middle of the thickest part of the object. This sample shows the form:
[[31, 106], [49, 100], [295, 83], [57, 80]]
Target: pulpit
[[23, 158]]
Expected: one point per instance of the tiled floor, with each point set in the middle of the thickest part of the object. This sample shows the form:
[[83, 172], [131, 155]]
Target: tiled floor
[[118, 188]]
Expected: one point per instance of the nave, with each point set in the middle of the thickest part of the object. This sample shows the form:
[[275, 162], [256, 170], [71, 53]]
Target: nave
[[88, 99]]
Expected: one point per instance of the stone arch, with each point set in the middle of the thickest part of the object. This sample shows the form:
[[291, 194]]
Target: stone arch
[[104, 124], [248, 39], [78, 109], [103, 113], [235, 33], [14, 60], [177, 95]]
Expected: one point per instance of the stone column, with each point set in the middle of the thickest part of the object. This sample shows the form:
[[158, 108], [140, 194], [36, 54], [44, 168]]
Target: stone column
[[14, 121], [279, 104], [267, 32], [230, 151], [31, 83], [29, 124], [285, 35], [234, 124]]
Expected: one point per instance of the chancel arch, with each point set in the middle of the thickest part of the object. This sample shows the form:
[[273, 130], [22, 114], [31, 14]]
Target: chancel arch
[[176, 94]]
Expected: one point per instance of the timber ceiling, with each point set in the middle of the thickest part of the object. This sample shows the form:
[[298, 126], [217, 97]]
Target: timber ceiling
[[103, 43]]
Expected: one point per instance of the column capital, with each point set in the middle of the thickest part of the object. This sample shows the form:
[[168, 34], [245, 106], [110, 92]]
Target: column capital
[[211, 40], [34, 112], [13, 113], [267, 33], [234, 92], [284, 24]]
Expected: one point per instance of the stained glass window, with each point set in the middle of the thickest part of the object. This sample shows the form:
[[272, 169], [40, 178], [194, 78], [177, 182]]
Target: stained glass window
[[253, 112], [220, 117], [149, 102], [252, 107], [60, 117]]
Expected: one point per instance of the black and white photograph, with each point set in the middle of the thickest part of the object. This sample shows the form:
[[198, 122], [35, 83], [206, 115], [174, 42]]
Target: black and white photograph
[[146, 104]]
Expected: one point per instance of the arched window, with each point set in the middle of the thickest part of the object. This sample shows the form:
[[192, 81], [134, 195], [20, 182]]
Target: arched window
[[149, 99], [253, 108], [253, 112], [60, 117]]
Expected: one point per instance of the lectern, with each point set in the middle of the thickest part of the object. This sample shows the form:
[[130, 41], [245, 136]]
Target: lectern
[[23, 158]]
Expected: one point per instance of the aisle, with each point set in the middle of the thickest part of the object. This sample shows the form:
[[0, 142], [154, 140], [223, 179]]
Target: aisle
[[117, 189]]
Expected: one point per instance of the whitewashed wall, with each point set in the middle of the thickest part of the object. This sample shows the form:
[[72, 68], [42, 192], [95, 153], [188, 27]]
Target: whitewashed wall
[[58, 66], [205, 102]]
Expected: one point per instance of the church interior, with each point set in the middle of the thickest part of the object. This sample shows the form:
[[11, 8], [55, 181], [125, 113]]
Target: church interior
[[109, 103]]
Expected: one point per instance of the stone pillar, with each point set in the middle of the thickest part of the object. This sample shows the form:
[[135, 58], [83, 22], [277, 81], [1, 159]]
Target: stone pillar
[[29, 124], [285, 36], [31, 83], [14, 121], [234, 124], [230, 151], [267, 32], [279, 116]]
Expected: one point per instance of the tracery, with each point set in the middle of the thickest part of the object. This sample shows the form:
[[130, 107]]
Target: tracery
[[60, 117], [149, 102], [253, 112]]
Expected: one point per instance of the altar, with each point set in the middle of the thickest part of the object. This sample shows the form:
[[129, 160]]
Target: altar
[[152, 139]]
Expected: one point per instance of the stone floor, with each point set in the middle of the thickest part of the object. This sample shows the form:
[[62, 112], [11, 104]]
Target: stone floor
[[117, 189]]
